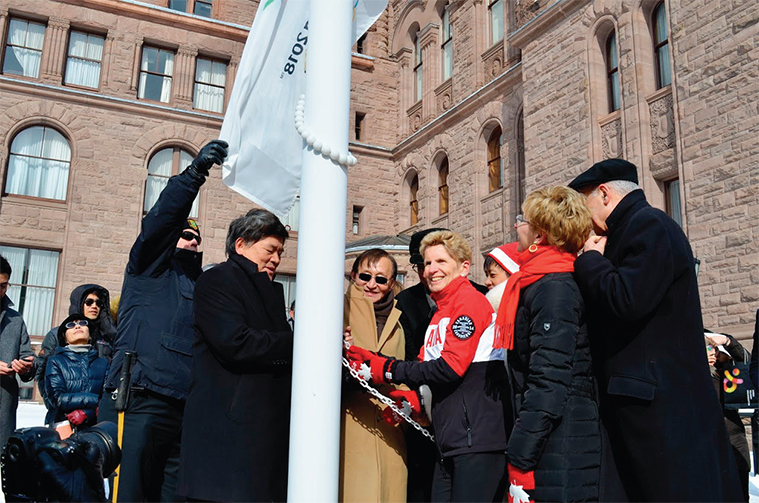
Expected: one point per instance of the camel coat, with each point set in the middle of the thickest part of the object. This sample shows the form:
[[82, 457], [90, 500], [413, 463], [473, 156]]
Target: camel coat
[[372, 453]]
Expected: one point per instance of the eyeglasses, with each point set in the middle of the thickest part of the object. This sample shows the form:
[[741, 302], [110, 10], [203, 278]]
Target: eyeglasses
[[189, 236], [97, 302], [80, 323], [365, 276], [519, 220]]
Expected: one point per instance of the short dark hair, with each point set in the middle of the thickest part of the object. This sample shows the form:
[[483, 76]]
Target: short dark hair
[[490, 261], [373, 256], [5, 266], [254, 226]]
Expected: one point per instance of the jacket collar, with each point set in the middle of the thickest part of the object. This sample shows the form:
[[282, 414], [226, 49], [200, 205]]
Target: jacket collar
[[628, 204], [446, 294], [249, 267]]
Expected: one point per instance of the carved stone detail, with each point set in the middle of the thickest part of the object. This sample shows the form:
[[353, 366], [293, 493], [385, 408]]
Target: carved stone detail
[[525, 11], [662, 124], [444, 95], [611, 138], [415, 117], [493, 61]]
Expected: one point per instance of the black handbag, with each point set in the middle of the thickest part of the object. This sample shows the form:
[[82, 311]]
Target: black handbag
[[738, 391]]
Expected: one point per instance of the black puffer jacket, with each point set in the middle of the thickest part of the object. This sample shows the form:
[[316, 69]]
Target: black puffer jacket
[[102, 330], [74, 380], [556, 432]]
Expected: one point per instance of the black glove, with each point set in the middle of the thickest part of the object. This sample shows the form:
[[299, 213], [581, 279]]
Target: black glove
[[212, 153]]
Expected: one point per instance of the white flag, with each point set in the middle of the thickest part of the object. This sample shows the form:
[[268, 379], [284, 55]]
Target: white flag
[[264, 161]]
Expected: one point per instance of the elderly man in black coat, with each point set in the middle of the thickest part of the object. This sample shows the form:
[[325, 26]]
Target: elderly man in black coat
[[235, 433], [664, 423]]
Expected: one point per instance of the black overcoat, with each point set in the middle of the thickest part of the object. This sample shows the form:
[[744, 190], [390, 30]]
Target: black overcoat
[[665, 425], [237, 417], [556, 432]]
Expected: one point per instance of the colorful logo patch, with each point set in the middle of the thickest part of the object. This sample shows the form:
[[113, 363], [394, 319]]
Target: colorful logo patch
[[463, 327]]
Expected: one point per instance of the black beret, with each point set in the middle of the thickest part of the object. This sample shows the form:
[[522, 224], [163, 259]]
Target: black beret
[[605, 171], [62, 327], [416, 240]]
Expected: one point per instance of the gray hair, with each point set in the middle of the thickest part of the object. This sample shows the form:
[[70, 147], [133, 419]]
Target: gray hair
[[254, 226], [620, 187]]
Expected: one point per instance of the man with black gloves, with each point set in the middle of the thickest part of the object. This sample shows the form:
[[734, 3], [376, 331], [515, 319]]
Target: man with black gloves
[[155, 321]]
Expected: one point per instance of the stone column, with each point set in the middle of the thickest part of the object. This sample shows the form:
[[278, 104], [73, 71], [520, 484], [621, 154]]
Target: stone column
[[184, 74], [234, 63], [430, 46], [480, 33], [405, 87], [138, 40], [106, 62], [3, 24], [54, 50]]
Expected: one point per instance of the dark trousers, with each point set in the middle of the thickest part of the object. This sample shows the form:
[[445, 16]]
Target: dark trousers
[[470, 477], [150, 446], [422, 455]]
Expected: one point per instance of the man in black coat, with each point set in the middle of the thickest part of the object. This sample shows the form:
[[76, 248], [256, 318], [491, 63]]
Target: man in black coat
[[665, 427], [155, 321], [235, 436]]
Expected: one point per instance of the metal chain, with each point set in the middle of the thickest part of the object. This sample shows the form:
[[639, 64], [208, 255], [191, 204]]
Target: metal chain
[[387, 401]]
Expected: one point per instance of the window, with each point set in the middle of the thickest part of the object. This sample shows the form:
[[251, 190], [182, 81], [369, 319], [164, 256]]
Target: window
[[288, 284], [414, 201], [443, 186], [84, 58], [210, 81], [520, 186], [400, 278], [356, 226], [494, 160], [38, 165], [359, 125], [32, 285], [418, 68], [197, 7], [612, 71], [661, 47], [674, 207], [155, 74], [361, 44], [292, 218], [23, 50], [165, 163], [447, 46], [495, 8]]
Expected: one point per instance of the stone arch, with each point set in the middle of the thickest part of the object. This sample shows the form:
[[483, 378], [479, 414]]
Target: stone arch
[[405, 199], [411, 15], [159, 137]]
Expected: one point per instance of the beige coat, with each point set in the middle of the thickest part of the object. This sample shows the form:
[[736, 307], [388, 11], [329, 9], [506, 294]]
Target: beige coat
[[372, 453]]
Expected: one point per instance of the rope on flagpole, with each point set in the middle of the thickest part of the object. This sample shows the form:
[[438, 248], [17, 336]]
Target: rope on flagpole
[[344, 159]]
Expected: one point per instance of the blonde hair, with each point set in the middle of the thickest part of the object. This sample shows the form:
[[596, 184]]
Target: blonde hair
[[454, 244], [562, 214]]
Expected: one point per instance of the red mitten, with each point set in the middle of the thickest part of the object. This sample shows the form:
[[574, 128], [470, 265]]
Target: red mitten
[[407, 401], [380, 366], [520, 481], [76, 417]]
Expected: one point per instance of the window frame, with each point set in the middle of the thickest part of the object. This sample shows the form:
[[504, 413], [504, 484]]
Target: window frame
[[69, 56], [612, 72], [195, 83], [675, 213], [175, 170], [356, 219], [191, 7], [148, 72], [358, 126], [7, 44], [413, 184], [418, 69], [494, 156], [446, 47], [443, 193], [493, 39], [660, 46]]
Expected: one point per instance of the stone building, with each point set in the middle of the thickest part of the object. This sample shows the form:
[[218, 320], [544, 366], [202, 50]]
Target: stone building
[[458, 109]]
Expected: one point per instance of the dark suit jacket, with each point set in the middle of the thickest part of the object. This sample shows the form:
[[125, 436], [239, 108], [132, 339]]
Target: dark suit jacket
[[237, 418], [657, 399]]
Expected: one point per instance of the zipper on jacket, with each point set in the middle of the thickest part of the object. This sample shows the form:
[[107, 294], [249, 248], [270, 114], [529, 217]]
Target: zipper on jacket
[[468, 427]]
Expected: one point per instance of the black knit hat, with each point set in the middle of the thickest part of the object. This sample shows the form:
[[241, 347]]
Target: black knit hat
[[605, 171], [416, 241], [62, 327]]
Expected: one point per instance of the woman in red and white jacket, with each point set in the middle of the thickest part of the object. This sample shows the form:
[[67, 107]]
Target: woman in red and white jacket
[[471, 411]]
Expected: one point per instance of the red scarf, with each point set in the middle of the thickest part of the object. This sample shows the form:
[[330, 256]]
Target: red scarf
[[532, 267]]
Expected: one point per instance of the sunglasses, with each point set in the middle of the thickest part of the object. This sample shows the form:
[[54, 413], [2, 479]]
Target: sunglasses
[[365, 276], [98, 302], [189, 236], [80, 323]]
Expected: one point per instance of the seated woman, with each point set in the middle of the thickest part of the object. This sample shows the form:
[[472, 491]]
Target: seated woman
[[470, 392], [554, 449], [75, 375], [372, 452]]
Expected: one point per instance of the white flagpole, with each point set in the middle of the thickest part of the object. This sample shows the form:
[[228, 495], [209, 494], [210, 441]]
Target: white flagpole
[[315, 414]]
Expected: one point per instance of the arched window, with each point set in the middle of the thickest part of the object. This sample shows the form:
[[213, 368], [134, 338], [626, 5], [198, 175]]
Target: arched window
[[163, 165], [494, 160], [38, 165], [414, 200], [442, 188], [661, 46], [418, 68], [612, 71], [447, 45]]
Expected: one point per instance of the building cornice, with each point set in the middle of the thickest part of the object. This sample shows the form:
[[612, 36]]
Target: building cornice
[[557, 11], [91, 99], [477, 98]]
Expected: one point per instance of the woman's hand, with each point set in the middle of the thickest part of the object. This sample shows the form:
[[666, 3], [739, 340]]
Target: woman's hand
[[347, 338]]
